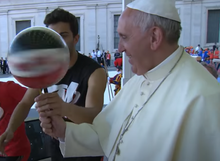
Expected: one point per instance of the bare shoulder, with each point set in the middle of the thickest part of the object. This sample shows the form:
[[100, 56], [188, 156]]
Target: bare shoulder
[[98, 76], [96, 89]]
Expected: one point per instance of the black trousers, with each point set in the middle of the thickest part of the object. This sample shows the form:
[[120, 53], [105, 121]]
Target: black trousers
[[57, 156], [4, 70], [108, 62]]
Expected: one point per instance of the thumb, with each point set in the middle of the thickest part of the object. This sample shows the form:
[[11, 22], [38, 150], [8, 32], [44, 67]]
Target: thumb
[[5, 142], [2, 144], [2, 138], [7, 137]]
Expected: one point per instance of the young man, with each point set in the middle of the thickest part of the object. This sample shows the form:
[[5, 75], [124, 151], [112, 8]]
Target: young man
[[79, 95], [10, 95]]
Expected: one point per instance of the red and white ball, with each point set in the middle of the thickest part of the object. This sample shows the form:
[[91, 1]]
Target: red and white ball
[[38, 57]]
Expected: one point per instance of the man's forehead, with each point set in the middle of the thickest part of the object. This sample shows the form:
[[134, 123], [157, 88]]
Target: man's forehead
[[61, 26], [125, 20]]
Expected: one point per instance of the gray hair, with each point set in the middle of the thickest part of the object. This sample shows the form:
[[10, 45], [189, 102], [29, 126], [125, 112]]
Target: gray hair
[[171, 29]]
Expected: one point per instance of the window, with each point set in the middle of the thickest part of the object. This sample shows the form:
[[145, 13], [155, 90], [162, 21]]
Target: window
[[78, 43], [116, 36], [21, 25], [213, 31]]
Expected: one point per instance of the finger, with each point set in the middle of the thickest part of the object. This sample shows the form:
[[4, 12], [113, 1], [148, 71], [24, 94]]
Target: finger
[[46, 125], [5, 142], [2, 144], [42, 114], [46, 120], [45, 96], [48, 132], [43, 108], [2, 140], [48, 107], [48, 110], [46, 101], [52, 113]]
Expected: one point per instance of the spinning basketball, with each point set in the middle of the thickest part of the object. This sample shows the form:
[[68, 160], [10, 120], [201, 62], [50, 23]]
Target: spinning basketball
[[38, 57]]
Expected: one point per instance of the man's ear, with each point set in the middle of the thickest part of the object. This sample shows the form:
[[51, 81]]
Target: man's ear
[[156, 34], [76, 39]]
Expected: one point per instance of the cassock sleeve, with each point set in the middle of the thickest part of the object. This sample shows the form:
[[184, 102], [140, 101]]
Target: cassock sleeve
[[199, 136], [80, 140]]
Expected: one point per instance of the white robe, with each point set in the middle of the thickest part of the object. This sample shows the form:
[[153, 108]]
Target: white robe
[[181, 121]]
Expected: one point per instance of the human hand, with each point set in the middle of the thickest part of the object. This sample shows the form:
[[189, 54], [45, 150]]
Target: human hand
[[4, 139], [50, 104], [54, 126]]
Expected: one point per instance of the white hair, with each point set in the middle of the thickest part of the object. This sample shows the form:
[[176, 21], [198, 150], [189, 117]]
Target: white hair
[[172, 29]]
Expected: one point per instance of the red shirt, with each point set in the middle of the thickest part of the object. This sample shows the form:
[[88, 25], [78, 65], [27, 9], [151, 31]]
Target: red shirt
[[10, 95], [216, 54], [108, 56], [118, 62]]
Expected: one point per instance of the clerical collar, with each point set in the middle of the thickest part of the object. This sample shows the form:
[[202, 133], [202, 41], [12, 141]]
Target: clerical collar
[[164, 67]]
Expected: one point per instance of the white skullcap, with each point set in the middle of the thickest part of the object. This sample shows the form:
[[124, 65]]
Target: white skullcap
[[162, 8]]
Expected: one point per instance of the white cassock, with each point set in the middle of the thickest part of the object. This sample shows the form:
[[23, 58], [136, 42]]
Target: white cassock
[[180, 122]]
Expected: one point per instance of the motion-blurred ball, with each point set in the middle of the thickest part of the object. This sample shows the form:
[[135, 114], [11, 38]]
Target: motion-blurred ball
[[38, 57]]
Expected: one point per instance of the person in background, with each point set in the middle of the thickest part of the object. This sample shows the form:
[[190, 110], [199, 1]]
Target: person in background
[[116, 80], [197, 48], [10, 95], [1, 64], [118, 61], [216, 54], [214, 47], [90, 55], [94, 55], [117, 54], [108, 59]]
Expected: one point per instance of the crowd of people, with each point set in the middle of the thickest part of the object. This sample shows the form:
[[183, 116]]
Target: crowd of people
[[100, 57], [208, 57], [206, 54]]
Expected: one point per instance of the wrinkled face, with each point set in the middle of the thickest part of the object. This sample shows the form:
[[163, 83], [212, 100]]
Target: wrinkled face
[[134, 42], [64, 30]]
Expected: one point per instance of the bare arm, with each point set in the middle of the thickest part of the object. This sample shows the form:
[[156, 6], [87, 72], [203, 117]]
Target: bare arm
[[22, 109], [94, 100]]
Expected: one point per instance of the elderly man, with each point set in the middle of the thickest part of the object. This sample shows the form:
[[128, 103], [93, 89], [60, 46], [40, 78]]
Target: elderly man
[[165, 112]]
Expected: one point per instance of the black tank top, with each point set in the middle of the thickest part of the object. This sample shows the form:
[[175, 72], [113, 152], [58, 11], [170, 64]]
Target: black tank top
[[73, 87]]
